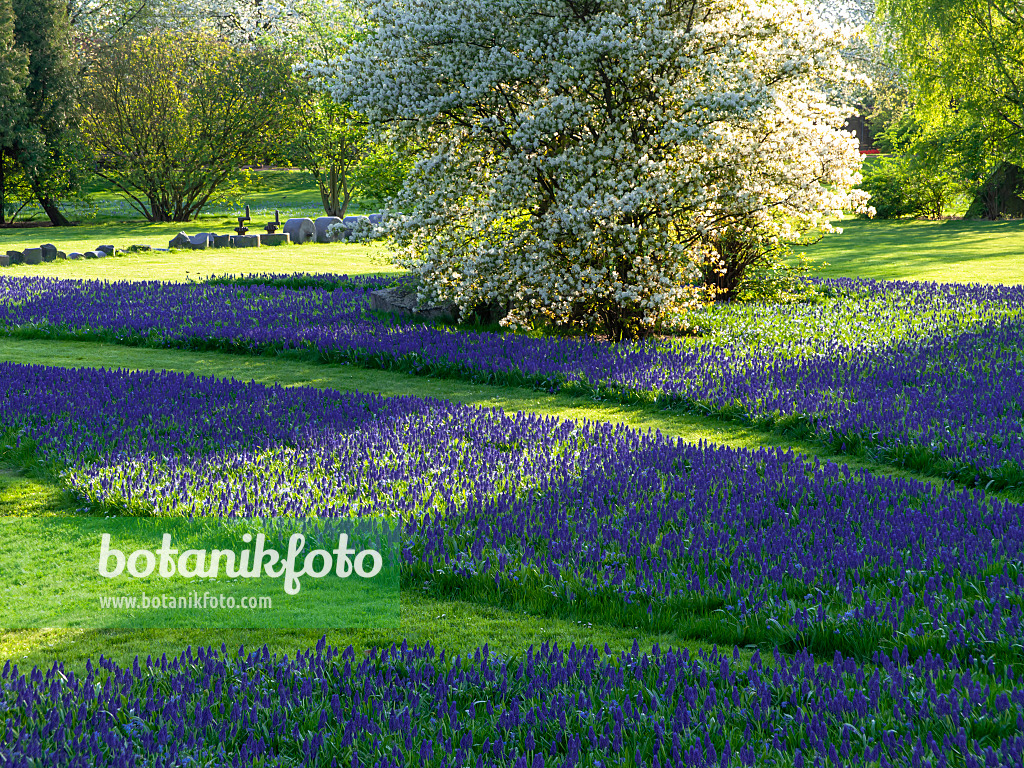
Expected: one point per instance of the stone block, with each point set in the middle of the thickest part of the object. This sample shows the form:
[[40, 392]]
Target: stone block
[[33, 255], [49, 251], [321, 225], [245, 241], [5, 260], [181, 240], [61, 255], [74, 255], [222, 241], [352, 221], [202, 241], [16, 257], [402, 301], [300, 230], [107, 249], [376, 218], [94, 254], [278, 238]]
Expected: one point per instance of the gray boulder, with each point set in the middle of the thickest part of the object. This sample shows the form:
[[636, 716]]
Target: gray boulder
[[75, 255], [61, 255], [202, 241], [402, 301], [181, 240], [49, 251], [33, 255], [300, 230], [322, 224], [107, 249]]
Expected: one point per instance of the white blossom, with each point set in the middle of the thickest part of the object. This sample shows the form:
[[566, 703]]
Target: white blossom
[[578, 155]]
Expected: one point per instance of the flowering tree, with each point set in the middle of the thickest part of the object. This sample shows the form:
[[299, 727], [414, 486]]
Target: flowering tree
[[582, 156]]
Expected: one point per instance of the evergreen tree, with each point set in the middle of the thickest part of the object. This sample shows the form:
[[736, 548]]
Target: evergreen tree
[[49, 150], [13, 78]]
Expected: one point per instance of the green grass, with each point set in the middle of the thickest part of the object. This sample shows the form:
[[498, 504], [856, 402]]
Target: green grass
[[453, 625], [943, 251], [294, 192], [180, 266], [948, 251], [269, 370]]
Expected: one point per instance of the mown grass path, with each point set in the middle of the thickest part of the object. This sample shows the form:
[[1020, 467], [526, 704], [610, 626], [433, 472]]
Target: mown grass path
[[268, 370]]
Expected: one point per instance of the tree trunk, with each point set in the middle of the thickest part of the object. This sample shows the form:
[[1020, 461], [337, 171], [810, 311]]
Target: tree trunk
[[53, 213], [3, 189], [49, 206]]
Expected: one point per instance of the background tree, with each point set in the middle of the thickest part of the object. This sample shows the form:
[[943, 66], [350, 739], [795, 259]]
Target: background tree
[[49, 148], [578, 157], [330, 139], [13, 79], [173, 116], [965, 64]]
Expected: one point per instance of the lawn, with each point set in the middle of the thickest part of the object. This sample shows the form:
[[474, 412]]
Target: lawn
[[946, 251], [180, 265], [291, 191], [793, 537]]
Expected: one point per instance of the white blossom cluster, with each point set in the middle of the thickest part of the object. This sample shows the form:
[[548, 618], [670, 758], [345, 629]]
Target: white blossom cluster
[[578, 155], [238, 21]]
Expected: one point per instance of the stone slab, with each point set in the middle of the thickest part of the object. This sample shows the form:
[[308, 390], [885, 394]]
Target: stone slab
[[278, 238], [222, 241], [322, 224], [245, 241], [49, 251], [16, 257], [5, 260], [33, 255], [61, 255], [376, 218]]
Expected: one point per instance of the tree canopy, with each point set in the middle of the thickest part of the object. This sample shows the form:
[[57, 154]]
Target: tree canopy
[[964, 59], [582, 158], [173, 116]]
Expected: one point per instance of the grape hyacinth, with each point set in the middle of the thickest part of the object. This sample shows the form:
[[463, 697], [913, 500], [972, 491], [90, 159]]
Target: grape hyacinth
[[569, 516], [924, 375], [574, 708]]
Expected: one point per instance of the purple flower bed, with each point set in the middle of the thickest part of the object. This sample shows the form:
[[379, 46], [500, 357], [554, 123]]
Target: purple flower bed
[[553, 708], [579, 519], [932, 379]]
